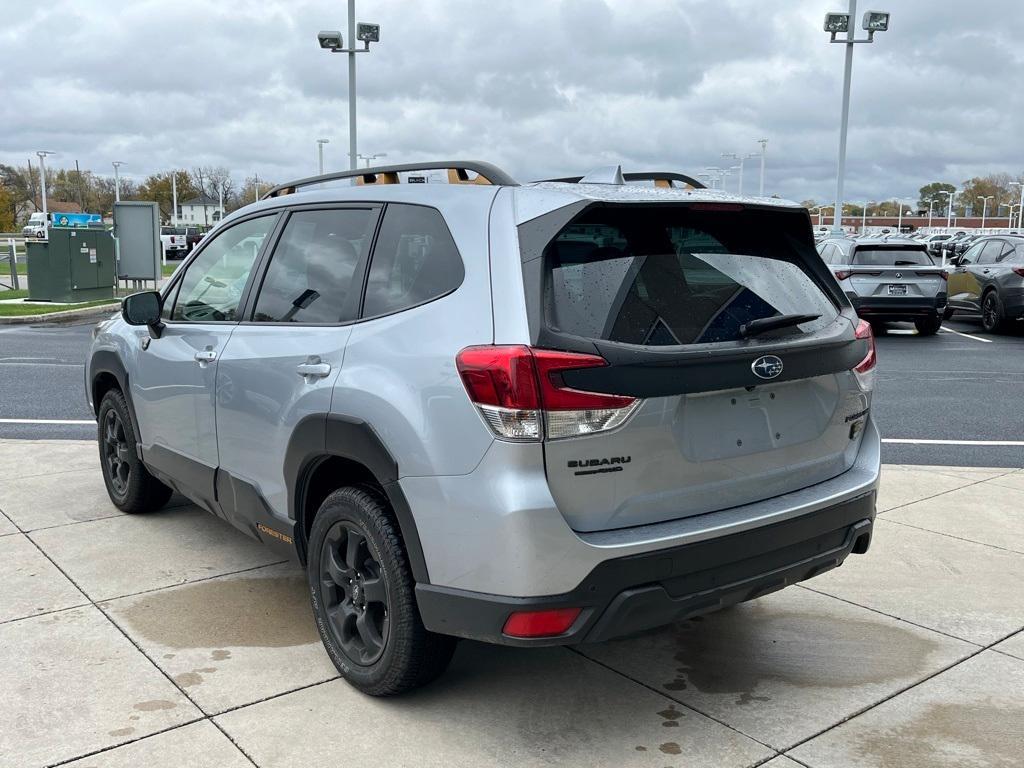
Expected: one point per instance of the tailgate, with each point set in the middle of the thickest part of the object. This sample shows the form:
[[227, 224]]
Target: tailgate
[[724, 417], [909, 282]]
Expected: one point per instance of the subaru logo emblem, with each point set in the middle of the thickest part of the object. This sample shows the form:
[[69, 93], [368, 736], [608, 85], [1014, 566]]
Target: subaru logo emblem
[[767, 367], [899, 274]]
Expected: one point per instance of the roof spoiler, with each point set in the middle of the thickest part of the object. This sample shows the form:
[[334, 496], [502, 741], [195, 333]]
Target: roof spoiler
[[458, 173]]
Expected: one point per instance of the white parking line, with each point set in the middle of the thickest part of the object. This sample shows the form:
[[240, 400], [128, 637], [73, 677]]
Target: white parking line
[[915, 441], [966, 335], [48, 421]]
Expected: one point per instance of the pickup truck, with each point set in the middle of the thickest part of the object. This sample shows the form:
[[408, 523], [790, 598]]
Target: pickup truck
[[174, 242]]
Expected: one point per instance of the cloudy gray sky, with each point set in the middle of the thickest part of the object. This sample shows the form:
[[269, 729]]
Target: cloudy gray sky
[[539, 87]]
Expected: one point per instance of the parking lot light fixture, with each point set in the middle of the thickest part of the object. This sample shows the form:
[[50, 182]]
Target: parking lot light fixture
[[320, 153], [764, 149], [332, 42], [1020, 213], [836, 23], [740, 159], [949, 211], [370, 158], [117, 180], [984, 207], [42, 153]]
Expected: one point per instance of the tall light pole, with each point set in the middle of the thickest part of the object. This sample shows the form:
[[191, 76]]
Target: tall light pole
[[320, 153], [42, 153], [949, 210], [931, 204], [1020, 214], [764, 150], [874, 21], [864, 217], [174, 196], [739, 159], [332, 41], [117, 180], [370, 158], [984, 207]]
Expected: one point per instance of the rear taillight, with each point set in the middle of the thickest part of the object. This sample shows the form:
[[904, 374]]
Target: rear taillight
[[943, 274], [842, 274], [865, 369], [521, 394], [1018, 271]]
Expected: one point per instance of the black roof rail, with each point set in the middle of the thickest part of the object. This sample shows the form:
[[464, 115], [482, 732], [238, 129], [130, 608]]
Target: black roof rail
[[667, 177], [388, 174]]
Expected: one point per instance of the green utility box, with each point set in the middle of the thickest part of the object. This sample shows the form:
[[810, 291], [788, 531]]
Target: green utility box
[[73, 265]]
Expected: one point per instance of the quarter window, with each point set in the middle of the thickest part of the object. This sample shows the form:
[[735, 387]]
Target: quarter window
[[212, 286], [309, 279], [990, 252], [415, 260]]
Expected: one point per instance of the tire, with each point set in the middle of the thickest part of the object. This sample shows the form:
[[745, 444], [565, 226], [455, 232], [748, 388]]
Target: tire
[[878, 328], [947, 313], [928, 326], [129, 484], [992, 319], [373, 634]]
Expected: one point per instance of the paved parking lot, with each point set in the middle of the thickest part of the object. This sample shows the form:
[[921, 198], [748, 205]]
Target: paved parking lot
[[172, 640]]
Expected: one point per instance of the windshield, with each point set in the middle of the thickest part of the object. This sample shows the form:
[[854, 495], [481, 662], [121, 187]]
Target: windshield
[[892, 257], [676, 276]]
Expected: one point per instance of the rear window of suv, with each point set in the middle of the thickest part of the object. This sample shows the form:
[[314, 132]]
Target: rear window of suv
[[892, 257], [670, 276]]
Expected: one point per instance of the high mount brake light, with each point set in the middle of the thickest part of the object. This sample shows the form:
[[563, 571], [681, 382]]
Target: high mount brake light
[[521, 394], [865, 369]]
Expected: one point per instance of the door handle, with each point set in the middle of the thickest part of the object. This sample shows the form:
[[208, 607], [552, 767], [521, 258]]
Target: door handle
[[206, 356], [313, 368], [985, 271]]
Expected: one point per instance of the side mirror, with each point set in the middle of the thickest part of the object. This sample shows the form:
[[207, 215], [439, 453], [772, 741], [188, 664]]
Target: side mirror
[[143, 309]]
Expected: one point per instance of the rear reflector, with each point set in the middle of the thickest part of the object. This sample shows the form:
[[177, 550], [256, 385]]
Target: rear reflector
[[865, 369], [521, 394], [541, 623]]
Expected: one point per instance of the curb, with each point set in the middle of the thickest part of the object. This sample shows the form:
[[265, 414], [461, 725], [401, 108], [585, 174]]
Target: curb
[[67, 314]]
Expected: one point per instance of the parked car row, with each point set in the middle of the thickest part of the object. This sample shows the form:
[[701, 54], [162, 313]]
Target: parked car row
[[898, 278]]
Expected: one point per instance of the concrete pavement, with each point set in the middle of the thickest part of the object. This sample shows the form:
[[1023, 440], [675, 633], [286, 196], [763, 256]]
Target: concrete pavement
[[170, 639]]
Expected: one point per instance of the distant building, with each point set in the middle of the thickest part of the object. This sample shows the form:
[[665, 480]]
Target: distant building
[[202, 211]]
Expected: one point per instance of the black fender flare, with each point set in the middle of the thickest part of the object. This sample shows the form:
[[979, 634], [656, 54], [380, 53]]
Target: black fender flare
[[321, 436], [108, 361]]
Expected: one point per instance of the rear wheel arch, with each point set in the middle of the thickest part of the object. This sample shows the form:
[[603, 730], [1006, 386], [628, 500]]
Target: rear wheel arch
[[328, 452]]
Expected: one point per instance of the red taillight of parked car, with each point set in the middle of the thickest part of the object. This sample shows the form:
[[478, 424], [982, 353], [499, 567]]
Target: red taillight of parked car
[[1018, 271], [865, 369], [521, 394], [842, 274], [541, 623]]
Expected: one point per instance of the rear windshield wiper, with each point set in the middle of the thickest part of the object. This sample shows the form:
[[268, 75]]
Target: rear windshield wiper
[[755, 327]]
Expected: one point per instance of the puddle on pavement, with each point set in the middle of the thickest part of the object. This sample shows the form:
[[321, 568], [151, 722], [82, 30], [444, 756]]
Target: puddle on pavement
[[241, 612], [952, 736], [733, 652]]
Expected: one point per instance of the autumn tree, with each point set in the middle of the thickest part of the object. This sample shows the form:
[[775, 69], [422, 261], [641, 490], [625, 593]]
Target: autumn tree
[[158, 189]]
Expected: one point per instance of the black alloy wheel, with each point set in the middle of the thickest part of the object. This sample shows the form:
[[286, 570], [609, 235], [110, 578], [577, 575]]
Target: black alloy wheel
[[354, 593], [116, 453], [992, 312]]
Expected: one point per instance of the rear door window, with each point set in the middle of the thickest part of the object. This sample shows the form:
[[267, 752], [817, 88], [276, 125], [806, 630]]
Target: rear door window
[[892, 257], [414, 261], [309, 279], [670, 276], [990, 252]]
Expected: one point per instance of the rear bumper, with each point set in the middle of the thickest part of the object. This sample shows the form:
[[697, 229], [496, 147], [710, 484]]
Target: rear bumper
[[634, 593], [886, 307]]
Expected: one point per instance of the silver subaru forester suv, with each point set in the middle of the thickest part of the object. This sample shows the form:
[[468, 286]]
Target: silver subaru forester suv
[[534, 414]]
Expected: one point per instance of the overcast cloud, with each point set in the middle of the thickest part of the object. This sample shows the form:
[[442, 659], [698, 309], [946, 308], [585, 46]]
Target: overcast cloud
[[538, 87]]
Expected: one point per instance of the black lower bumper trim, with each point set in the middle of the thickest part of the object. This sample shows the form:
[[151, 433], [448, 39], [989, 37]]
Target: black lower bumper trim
[[639, 592]]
